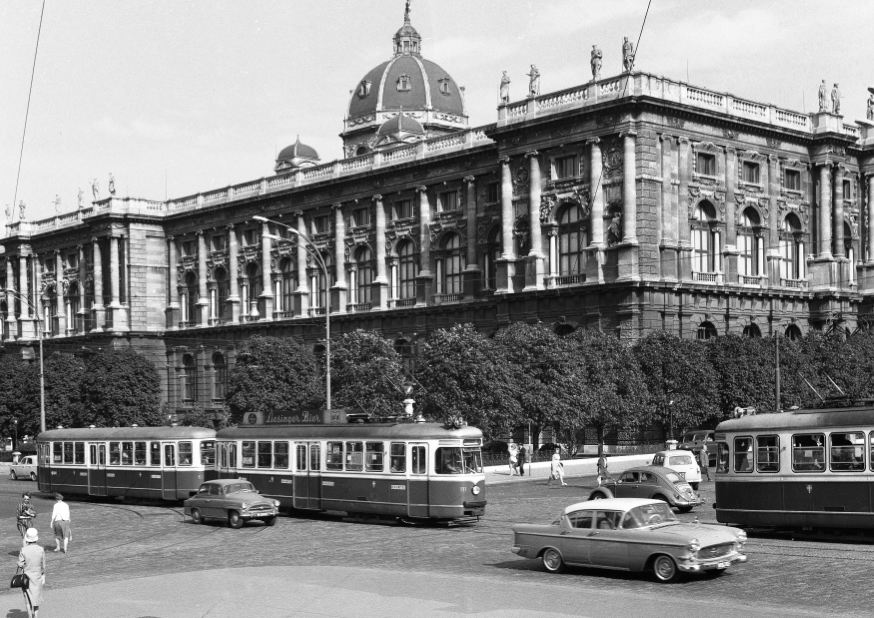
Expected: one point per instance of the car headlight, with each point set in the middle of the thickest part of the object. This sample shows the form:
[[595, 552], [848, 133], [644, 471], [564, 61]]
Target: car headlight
[[276, 503], [694, 545], [244, 506], [475, 490]]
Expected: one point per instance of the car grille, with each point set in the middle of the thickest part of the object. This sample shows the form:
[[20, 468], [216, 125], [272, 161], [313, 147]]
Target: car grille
[[261, 507], [716, 551]]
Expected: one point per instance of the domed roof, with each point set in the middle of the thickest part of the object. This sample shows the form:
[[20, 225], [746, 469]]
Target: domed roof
[[295, 156], [401, 126]]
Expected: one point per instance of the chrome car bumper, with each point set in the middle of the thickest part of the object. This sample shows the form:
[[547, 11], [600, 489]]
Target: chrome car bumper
[[723, 562], [260, 513]]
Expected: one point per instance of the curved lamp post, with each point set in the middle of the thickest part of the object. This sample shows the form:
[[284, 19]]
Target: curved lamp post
[[42, 382], [313, 250]]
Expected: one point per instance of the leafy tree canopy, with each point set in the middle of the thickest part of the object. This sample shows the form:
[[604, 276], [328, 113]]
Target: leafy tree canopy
[[120, 387], [367, 373]]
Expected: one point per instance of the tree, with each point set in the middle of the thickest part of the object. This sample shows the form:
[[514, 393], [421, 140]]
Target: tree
[[63, 390], [463, 373], [274, 373], [19, 382], [120, 388], [367, 373]]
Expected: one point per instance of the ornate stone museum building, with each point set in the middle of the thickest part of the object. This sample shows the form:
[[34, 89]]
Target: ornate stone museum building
[[629, 203]]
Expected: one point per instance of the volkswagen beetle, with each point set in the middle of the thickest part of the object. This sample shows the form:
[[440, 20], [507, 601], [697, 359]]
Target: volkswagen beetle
[[655, 482]]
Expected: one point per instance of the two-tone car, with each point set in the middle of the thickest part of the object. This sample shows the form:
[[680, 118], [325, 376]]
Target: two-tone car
[[630, 534], [656, 482], [25, 468], [233, 500]]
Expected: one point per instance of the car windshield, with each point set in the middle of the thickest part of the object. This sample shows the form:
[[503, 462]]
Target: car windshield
[[672, 477], [679, 460], [648, 515], [204, 489], [235, 487]]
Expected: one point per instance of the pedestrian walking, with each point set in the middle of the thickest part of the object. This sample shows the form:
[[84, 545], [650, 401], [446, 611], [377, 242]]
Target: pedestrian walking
[[603, 475], [25, 515], [61, 522], [556, 470], [704, 462], [522, 454], [32, 558], [513, 459]]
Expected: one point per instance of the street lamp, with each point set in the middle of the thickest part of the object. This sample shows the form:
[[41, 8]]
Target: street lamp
[[15, 440], [314, 251], [42, 382]]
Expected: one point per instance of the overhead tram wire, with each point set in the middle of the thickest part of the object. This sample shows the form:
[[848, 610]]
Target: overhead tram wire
[[27, 110]]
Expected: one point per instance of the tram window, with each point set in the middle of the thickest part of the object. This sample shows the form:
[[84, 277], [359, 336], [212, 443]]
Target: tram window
[[448, 460], [420, 464], [375, 451], [155, 453], [743, 454], [301, 451], [232, 455], [722, 456], [223, 454], [334, 455], [315, 461], [280, 455], [58, 450], [114, 453], [170, 455], [140, 453], [248, 452], [92, 451], [354, 456], [808, 452], [127, 453], [185, 453], [768, 455], [102, 451], [399, 456], [265, 454], [473, 460], [79, 453], [207, 453], [847, 452], [68, 452]]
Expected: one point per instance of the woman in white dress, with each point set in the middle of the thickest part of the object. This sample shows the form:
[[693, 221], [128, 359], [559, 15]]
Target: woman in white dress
[[556, 472]]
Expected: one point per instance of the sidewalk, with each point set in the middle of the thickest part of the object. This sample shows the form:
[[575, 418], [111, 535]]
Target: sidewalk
[[572, 468]]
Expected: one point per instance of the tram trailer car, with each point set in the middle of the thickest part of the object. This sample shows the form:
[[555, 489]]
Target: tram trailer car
[[166, 463], [400, 470], [802, 470]]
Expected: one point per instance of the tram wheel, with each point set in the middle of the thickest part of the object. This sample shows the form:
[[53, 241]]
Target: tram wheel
[[13, 475], [270, 521], [234, 519], [664, 568], [195, 516], [33, 476], [552, 561]]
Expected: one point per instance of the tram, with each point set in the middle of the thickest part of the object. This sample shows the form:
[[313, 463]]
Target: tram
[[166, 463], [396, 470], [808, 469]]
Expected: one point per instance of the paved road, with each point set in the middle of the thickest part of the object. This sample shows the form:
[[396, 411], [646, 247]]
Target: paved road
[[146, 561]]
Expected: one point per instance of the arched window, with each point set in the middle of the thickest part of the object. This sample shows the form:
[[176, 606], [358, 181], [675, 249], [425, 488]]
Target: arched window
[[491, 254], [254, 287], [750, 245], [73, 305], [320, 285], [363, 276], [793, 332], [192, 295], [219, 387], [792, 266], [287, 286], [706, 245], [408, 265], [752, 331], [706, 330], [850, 253], [571, 242], [450, 266], [405, 351], [189, 378], [222, 290]]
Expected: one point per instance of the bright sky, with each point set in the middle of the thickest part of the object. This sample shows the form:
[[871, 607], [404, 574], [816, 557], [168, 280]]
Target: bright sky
[[180, 96]]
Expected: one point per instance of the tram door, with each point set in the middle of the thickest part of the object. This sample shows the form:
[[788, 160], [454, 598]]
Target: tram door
[[417, 493], [307, 478], [169, 471], [97, 469], [227, 463]]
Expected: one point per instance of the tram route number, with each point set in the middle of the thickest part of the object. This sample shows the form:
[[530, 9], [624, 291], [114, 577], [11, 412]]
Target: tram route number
[[327, 483], [401, 487], [287, 481]]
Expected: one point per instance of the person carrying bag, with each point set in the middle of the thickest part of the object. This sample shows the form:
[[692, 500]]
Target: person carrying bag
[[32, 560]]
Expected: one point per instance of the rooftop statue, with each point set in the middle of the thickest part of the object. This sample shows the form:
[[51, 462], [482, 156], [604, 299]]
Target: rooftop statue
[[57, 203], [627, 55], [870, 114], [505, 89], [81, 198], [596, 62], [21, 207], [111, 184], [836, 100], [533, 82], [823, 97], [95, 190]]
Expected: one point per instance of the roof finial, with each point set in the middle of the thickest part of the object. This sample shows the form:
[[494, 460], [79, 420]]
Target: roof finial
[[407, 13]]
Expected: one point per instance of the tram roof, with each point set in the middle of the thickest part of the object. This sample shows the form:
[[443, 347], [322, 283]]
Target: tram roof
[[801, 419], [127, 433], [382, 431]]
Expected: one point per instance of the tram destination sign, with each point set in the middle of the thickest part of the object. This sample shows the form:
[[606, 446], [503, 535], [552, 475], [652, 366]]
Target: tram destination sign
[[299, 417]]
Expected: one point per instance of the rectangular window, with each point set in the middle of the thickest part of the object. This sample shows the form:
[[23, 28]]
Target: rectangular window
[[567, 167], [79, 453], [250, 237], [354, 456], [847, 452], [127, 453], [751, 173], [792, 180], [280, 455], [848, 190], [301, 452], [334, 456], [219, 243], [808, 452], [248, 454], [114, 453], [743, 454], [322, 224], [493, 192], [189, 248], [58, 456], [402, 209], [447, 201], [154, 453], [207, 453], [68, 452], [706, 164], [373, 456], [419, 461], [265, 454], [399, 456], [361, 216], [746, 252], [140, 453], [315, 460], [232, 455], [185, 453], [768, 453], [169, 455]]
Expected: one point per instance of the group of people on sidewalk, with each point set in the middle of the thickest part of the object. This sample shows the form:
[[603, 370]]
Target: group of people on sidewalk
[[32, 557]]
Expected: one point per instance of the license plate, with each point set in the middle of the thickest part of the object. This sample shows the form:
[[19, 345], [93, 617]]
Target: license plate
[[723, 565]]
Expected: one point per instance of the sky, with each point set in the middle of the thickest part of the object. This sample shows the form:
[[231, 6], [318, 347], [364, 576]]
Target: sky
[[176, 96]]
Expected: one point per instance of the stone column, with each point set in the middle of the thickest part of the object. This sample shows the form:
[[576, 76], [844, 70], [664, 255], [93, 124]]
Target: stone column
[[172, 318], [730, 251], [24, 290], [472, 274], [341, 286], [668, 245], [81, 326], [506, 265], [60, 301], [629, 188], [99, 315], [683, 227], [202, 317], [266, 273], [116, 310], [35, 298], [10, 297], [380, 283], [534, 262], [595, 259], [303, 288], [825, 225], [425, 280], [870, 259], [838, 212], [233, 275]]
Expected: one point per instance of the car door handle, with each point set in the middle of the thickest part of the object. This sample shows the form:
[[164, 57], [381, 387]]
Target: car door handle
[[593, 533]]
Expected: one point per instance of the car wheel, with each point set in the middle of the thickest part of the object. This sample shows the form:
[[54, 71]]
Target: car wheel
[[270, 521], [684, 509], [552, 561], [13, 475], [660, 497], [598, 495], [694, 486], [33, 476], [195, 516], [664, 568], [234, 519]]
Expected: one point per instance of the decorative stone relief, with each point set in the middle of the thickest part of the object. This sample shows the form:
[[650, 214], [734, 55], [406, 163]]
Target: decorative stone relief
[[677, 123], [522, 231], [729, 133], [773, 142]]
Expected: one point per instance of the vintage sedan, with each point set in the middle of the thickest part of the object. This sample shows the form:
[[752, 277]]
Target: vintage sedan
[[24, 469], [682, 462], [630, 534], [655, 482], [233, 500]]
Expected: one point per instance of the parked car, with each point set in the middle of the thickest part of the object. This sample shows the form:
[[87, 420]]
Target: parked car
[[630, 534], [682, 462], [697, 439], [650, 482], [233, 500], [24, 469]]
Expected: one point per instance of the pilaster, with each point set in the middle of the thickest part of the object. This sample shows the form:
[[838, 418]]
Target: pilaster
[[380, 282], [472, 273], [340, 289], [534, 262], [424, 280], [506, 265], [98, 309]]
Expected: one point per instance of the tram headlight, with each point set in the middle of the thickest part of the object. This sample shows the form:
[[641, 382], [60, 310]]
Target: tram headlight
[[475, 490]]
